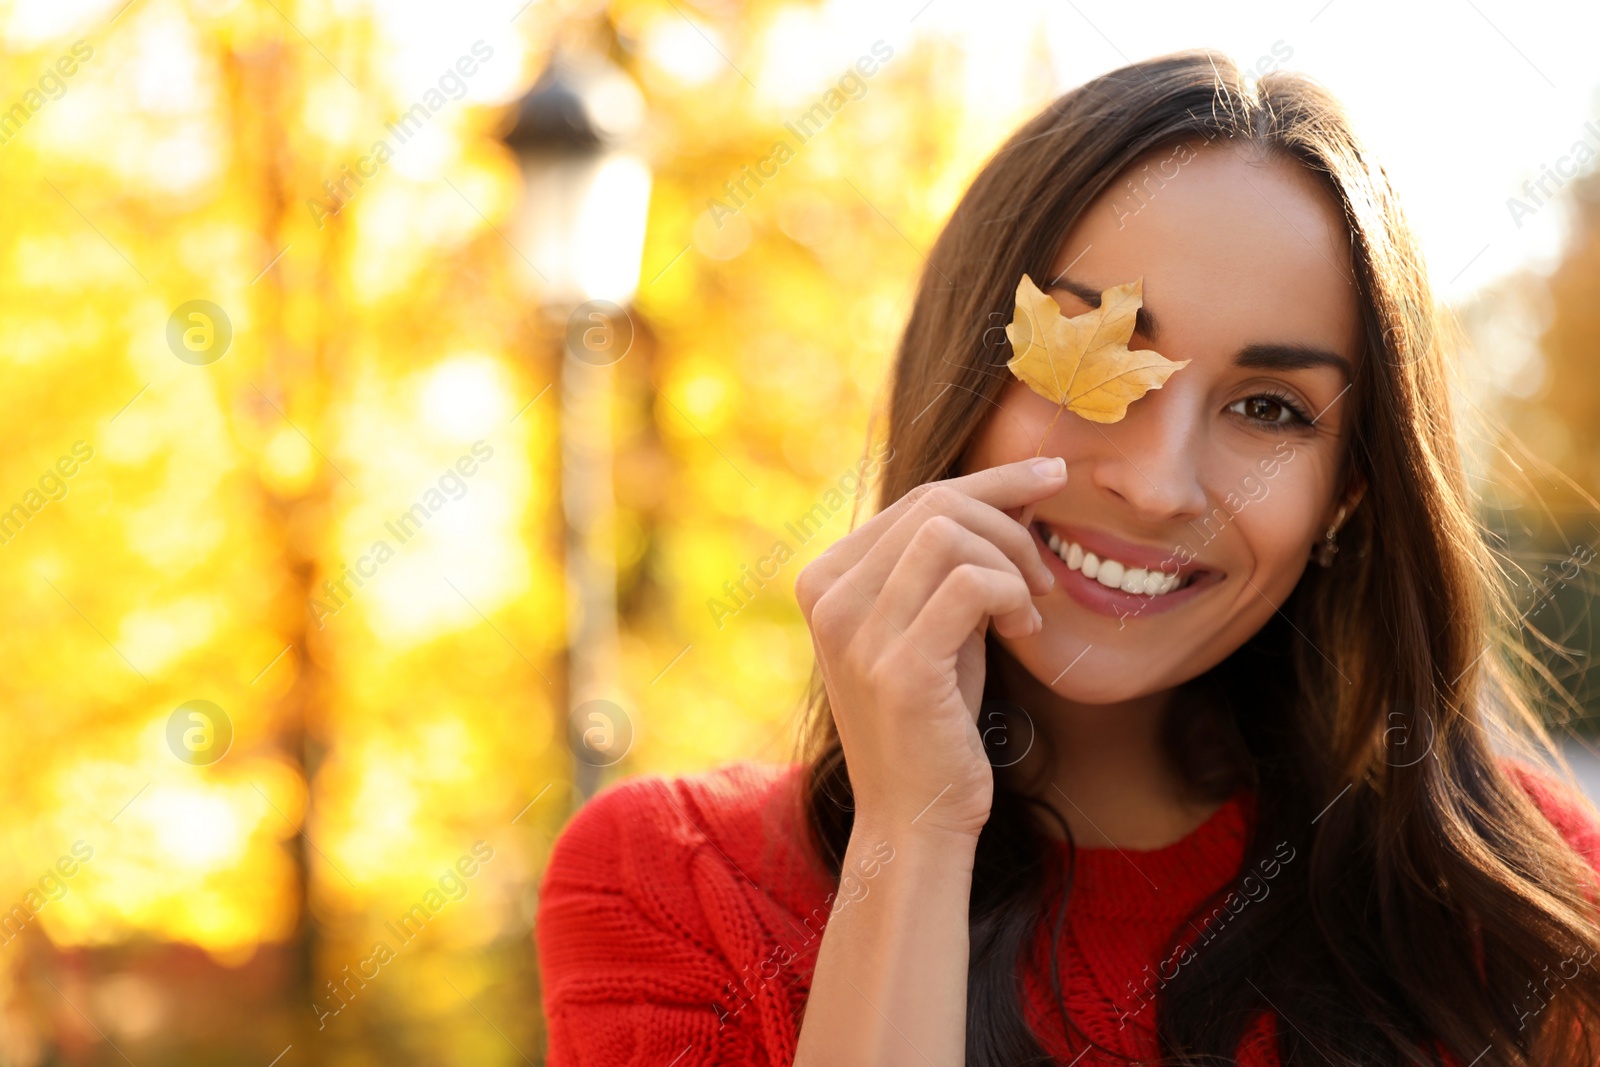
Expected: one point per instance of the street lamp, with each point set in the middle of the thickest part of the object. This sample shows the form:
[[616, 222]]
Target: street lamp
[[580, 230], [585, 187]]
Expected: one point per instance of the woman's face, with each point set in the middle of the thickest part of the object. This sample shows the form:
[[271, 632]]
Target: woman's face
[[1226, 475]]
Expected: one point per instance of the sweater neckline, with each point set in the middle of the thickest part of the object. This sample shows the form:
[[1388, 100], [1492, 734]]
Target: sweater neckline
[[1170, 879], [1221, 819]]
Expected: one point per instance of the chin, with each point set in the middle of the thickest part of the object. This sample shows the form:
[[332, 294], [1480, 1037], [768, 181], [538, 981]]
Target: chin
[[1102, 674]]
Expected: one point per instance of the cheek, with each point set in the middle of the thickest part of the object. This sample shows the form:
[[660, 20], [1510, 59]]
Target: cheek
[[1279, 526], [1015, 428]]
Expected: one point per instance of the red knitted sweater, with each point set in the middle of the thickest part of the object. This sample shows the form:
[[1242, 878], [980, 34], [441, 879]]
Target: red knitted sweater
[[679, 922]]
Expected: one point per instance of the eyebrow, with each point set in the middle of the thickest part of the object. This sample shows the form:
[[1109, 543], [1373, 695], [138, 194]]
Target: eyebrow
[[1269, 356]]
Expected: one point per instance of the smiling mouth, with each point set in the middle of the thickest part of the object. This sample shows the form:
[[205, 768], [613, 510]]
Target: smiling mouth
[[1114, 573]]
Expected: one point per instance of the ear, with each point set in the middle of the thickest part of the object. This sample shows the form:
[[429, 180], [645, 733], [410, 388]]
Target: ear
[[1355, 490]]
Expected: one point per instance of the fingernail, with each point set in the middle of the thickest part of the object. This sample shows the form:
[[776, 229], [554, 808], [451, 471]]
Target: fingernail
[[1050, 467]]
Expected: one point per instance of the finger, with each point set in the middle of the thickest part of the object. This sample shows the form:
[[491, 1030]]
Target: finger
[[1008, 485], [1012, 485], [969, 595], [986, 522], [938, 547]]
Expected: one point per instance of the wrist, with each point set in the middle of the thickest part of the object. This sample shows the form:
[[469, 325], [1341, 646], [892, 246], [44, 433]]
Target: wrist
[[876, 833]]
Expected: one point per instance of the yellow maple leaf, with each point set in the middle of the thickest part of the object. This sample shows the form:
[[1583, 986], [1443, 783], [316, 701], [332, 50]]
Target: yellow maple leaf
[[1083, 363]]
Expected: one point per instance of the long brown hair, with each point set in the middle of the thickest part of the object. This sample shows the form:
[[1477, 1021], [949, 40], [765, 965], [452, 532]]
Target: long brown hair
[[1434, 895]]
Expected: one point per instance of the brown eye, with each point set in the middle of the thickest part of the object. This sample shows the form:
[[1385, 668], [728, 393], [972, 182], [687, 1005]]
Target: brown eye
[[1277, 412]]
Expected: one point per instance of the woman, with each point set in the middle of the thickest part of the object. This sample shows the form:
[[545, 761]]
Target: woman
[[1282, 809]]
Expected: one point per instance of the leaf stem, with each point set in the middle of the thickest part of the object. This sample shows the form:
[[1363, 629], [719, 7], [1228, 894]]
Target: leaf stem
[[1027, 513], [1040, 450]]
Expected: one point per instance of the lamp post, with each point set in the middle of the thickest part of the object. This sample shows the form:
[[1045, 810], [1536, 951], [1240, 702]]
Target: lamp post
[[580, 233]]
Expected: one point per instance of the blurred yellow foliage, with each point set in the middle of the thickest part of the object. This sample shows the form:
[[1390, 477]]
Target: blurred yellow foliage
[[362, 328]]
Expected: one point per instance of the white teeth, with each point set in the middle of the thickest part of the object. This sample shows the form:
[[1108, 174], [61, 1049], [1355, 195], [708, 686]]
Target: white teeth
[[1111, 573]]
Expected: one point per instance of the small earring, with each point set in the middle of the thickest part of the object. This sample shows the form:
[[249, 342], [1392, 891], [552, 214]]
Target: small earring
[[1325, 552]]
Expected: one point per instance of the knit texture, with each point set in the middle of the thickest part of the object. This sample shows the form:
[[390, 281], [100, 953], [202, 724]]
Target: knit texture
[[679, 921]]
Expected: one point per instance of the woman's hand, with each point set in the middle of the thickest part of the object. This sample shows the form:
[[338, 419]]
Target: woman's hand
[[898, 610]]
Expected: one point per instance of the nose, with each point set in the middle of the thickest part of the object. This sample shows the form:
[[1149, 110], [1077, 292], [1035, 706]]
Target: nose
[[1151, 459]]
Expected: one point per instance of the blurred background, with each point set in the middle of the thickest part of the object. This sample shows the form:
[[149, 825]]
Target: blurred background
[[404, 405]]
